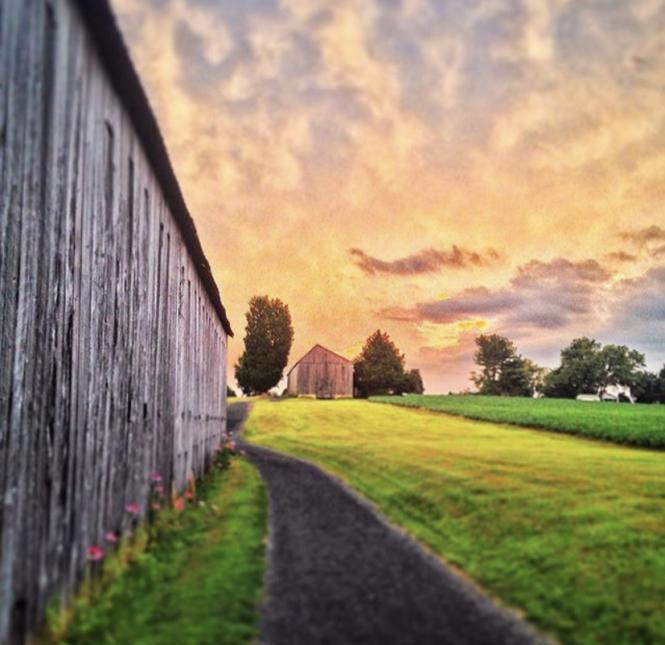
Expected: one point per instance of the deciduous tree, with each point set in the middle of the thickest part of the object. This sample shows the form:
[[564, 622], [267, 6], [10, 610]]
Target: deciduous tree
[[268, 339], [586, 366], [621, 365]]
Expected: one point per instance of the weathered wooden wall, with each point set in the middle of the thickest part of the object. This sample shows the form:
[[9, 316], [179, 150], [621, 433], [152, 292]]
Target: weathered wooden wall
[[112, 341], [321, 373]]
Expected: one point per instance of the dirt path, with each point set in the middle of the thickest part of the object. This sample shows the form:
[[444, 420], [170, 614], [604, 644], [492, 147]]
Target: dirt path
[[339, 574]]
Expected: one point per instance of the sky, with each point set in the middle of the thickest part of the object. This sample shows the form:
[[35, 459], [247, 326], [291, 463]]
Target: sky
[[433, 168]]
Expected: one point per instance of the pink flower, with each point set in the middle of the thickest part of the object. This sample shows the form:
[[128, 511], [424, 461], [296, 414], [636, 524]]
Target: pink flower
[[111, 537], [95, 553], [155, 477], [159, 489], [179, 504], [133, 508], [156, 506], [189, 494]]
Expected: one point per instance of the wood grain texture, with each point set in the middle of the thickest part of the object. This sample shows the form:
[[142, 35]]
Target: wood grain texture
[[321, 373], [112, 344]]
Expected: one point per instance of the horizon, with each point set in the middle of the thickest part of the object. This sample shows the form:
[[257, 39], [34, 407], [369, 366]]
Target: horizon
[[433, 170]]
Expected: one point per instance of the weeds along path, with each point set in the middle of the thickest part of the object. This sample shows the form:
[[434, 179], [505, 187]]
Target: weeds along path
[[338, 573], [200, 581]]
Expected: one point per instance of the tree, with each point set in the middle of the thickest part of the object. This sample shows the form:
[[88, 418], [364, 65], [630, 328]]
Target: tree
[[587, 366], [582, 370], [650, 387], [622, 366], [413, 382], [379, 369], [518, 377], [492, 355], [504, 372], [268, 339]]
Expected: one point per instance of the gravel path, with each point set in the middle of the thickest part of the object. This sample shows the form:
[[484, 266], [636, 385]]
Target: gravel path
[[338, 573]]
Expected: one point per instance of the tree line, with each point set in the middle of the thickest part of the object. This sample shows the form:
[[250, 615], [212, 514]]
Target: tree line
[[378, 369], [586, 366]]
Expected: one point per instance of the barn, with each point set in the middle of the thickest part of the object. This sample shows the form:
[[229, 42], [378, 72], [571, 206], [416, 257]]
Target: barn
[[113, 335], [321, 373]]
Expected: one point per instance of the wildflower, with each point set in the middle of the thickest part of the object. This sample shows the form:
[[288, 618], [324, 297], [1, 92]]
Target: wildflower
[[133, 508], [179, 504], [189, 494], [155, 477], [156, 506], [159, 489], [95, 553], [111, 537]]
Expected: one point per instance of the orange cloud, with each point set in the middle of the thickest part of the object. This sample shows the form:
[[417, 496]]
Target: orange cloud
[[301, 129]]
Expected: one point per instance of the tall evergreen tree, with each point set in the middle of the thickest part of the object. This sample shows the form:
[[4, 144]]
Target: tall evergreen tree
[[379, 369]]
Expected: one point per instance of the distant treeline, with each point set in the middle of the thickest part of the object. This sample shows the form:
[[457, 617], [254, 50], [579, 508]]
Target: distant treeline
[[586, 367]]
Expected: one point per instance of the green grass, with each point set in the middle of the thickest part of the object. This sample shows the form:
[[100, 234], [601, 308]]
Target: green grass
[[199, 582], [570, 531], [639, 425]]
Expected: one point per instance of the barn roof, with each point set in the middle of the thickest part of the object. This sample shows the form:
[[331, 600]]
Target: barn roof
[[107, 38], [325, 349]]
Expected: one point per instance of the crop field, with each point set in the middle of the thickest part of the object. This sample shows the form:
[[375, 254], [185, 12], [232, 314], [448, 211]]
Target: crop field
[[638, 425], [570, 532]]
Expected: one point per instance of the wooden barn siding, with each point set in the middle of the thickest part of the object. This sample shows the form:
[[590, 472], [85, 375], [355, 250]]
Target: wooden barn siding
[[318, 365], [112, 358]]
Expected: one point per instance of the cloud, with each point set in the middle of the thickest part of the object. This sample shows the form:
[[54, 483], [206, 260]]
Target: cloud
[[621, 256], [541, 295], [469, 304], [642, 238], [643, 298], [638, 316], [425, 261], [534, 127], [560, 272]]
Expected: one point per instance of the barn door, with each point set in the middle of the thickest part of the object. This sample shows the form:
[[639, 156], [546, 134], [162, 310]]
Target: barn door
[[324, 384], [324, 389]]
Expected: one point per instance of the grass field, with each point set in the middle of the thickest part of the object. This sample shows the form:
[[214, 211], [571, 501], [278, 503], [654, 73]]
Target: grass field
[[570, 531], [639, 425], [201, 580]]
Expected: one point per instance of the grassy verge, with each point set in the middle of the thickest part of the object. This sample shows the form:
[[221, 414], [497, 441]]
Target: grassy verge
[[571, 531], [200, 579], [639, 425]]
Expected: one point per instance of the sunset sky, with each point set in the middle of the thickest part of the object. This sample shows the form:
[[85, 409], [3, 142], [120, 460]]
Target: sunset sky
[[433, 168]]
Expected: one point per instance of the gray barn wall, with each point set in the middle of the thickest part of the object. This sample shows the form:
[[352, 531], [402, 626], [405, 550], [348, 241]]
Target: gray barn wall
[[112, 339]]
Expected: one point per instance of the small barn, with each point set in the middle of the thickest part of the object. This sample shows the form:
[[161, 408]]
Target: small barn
[[321, 373]]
